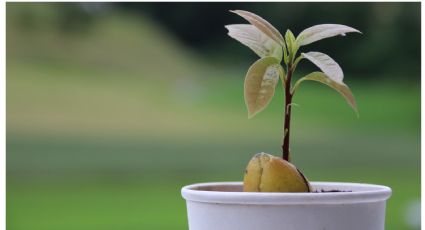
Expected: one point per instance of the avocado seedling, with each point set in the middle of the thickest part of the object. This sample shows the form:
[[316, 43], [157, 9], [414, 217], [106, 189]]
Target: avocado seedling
[[278, 60]]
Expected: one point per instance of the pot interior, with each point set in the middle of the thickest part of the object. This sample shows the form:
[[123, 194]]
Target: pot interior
[[316, 186], [231, 193], [239, 188], [219, 187]]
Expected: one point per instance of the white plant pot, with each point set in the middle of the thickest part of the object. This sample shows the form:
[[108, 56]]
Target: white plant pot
[[223, 206]]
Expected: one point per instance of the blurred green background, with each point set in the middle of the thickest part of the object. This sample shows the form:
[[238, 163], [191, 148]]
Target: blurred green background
[[113, 107]]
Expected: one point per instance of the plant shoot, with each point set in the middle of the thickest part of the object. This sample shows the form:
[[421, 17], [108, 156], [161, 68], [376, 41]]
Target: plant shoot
[[279, 58]]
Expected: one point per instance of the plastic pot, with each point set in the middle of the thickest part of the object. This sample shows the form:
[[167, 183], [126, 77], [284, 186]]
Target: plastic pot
[[223, 206]]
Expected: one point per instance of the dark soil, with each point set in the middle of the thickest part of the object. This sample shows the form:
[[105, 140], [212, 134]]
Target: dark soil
[[333, 190]]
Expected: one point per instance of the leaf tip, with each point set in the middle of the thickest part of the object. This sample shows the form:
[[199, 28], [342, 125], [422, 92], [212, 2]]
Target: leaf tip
[[251, 115], [353, 105], [357, 31], [356, 111]]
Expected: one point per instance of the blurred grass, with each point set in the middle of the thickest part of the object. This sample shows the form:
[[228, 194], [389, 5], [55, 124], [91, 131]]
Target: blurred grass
[[104, 128]]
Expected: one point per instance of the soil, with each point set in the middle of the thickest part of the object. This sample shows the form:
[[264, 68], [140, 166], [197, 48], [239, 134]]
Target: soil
[[326, 191]]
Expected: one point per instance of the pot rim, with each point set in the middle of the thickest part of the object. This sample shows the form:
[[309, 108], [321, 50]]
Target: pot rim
[[231, 194]]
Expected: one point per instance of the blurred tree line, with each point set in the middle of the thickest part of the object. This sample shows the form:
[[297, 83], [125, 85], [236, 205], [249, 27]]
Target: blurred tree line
[[389, 46]]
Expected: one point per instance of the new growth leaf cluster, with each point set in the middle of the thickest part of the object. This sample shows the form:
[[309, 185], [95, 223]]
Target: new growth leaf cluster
[[279, 58]]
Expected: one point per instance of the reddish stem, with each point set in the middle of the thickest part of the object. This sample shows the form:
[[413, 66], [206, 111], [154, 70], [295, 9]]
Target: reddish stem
[[287, 120]]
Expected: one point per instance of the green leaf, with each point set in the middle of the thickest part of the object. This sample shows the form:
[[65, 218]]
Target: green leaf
[[285, 56], [291, 45], [261, 24], [260, 83], [338, 86], [319, 32], [259, 42], [326, 64], [296, 61]]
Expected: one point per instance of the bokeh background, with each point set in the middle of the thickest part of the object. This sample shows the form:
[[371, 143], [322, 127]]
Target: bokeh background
[[113, 107]]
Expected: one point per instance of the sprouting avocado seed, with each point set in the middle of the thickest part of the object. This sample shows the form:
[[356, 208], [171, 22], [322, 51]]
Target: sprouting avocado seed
[[267, 173]]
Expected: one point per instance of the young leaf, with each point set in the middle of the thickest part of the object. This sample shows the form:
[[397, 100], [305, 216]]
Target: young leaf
[[259, 42], [261, 24], [319, 32], [291, 45], [296, 61], [338, 86], [326, 64], [260, 84]]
